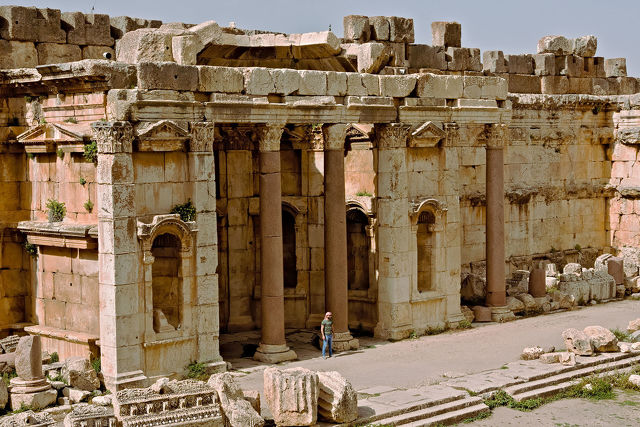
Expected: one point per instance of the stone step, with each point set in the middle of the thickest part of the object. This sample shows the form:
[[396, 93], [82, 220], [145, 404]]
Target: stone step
[[452, 417], [532, 388], [430, 412], [544, 391]]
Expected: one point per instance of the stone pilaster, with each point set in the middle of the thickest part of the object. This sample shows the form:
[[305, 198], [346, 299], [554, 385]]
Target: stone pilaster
[[121, 313], [393, 233], [496, 285], [273, 347], [202, 178]]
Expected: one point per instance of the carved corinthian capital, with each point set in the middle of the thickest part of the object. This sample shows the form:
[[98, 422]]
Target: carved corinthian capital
[[334, 136], [113, 137], [496, 135], [202, 136], [393, 135], [269, 136]]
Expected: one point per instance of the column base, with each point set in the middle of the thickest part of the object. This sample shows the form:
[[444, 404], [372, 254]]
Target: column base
[[343, 341], [267, 353], [133, 379], [18, 385], [454, 320], [216, 367], [502, 314]]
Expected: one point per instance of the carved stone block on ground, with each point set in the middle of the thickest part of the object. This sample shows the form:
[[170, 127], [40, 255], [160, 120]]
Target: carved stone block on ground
[[78, 373], [601, 338], [292, 396], [84, 415], [531, 353], [235, 408], [39, 419], [337, 401], [37, 400], [577, 342]]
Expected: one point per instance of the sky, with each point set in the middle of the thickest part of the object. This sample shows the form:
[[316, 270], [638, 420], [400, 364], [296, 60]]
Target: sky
[[513, 26]]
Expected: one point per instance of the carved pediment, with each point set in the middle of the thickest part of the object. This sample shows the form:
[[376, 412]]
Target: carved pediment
[[426, 135], [357, 132], [46, 136], [164, 135]]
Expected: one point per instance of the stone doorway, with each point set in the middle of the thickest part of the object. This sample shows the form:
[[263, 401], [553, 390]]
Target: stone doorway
[[358, 250], [166, 283]]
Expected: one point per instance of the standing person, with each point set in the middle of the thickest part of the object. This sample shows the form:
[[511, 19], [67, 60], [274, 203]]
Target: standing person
[[326, 330]]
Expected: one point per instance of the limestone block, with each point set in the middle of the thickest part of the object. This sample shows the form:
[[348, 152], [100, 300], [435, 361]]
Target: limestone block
[[397, 86], [570, 65], [258, 81], [146, 45], [236, 410], [572, 268], [567, 358], [118, 75], [424, 56], [38, 400], [493, 61], [580, 85], [615, 268], [337, 400], [577, 342], [593, 67], [167, 75], [185, 49], [554, 85], [105, 400], [253, 397], [292, 395], [624, 347], [585, 46], [312, 82], [634, 325], [356, 28], [481, 313], [544, 64], [208, 32], [75, 395], [220, 79], [4, 394], [520, 64], [372, 57], [16, 54], [515, 305], [530, 304], [518, 283], [558, 45], [440, 86], [615, 67], [447, 34], [551, 282], [379, 28], [121, 25], [97, 52], [91, 29], [28, 358], [54, 53], [401, 29], [550, 358], [461, 59], [531, 353], [31, 24], [602, 339], [336, 83], [78, 373]]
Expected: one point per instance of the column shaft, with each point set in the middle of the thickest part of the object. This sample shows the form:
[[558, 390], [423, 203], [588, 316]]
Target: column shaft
[[496, 291]]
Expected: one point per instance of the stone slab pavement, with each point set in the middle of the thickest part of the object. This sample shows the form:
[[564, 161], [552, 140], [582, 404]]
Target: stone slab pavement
[[424, 361]]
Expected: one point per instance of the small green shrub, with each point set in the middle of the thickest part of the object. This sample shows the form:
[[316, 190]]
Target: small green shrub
[[464, 324], [91, 152], [57, 210], [413, 335], [186, 211], [31, 155], [577, 247], [43, 121], [23, 408], [60, 153], [58, 377], [88, 205], [197, 371], [363, 193], [71, 120], [54, 357], [6, 377], [621, 335], [435, 331], [601, 388], [96, 364], [82, 181], [31, 249]]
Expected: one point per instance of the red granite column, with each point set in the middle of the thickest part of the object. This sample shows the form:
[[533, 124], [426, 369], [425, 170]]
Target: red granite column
[[335, 237], [273, 347], [496, 285]]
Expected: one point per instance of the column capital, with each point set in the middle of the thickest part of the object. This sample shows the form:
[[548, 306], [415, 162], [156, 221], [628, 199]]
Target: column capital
[[452, 134], [496, 135], [393, 135], [334, 136], [202, 136], [113, 137], [269, 136]]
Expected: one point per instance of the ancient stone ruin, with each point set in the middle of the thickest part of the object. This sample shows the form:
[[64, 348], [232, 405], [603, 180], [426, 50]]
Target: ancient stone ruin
[[166, 183]]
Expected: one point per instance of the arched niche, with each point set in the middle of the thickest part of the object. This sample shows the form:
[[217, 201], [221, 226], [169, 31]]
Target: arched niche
[[358, 248], [428, 219]]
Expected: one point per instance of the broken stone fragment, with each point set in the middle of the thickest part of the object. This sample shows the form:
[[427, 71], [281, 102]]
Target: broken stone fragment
[[615, 67], [236, 409], [634, 325], [78, 372], [585, 46], [356, 28], [447, 34], [531, 353], [567, 359], [550, 358], [602, 339], [558, 45], [577, 342], [337, 401], [4, 394], [292, 396]]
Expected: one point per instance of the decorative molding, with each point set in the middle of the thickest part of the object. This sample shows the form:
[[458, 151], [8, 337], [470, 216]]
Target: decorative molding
[[427, 135], [435, 206], [334, 136], [60, 235], [113, 137], [45, 137], [171, 224], [393, 135], [496, 135], [165, 135], [269, 136], [236, 138], [202, 137]]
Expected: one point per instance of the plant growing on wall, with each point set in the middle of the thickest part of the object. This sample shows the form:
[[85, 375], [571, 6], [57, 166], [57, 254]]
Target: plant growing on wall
[[56, 210], [71, 120], [60, 153], [186, 211], [82, 181], [88, 205], [91, 152], [31, 249]]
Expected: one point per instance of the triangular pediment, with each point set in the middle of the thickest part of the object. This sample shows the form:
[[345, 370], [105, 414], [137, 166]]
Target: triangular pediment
[[164, 130], [426, 135], [70, 133], [357, 132]]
